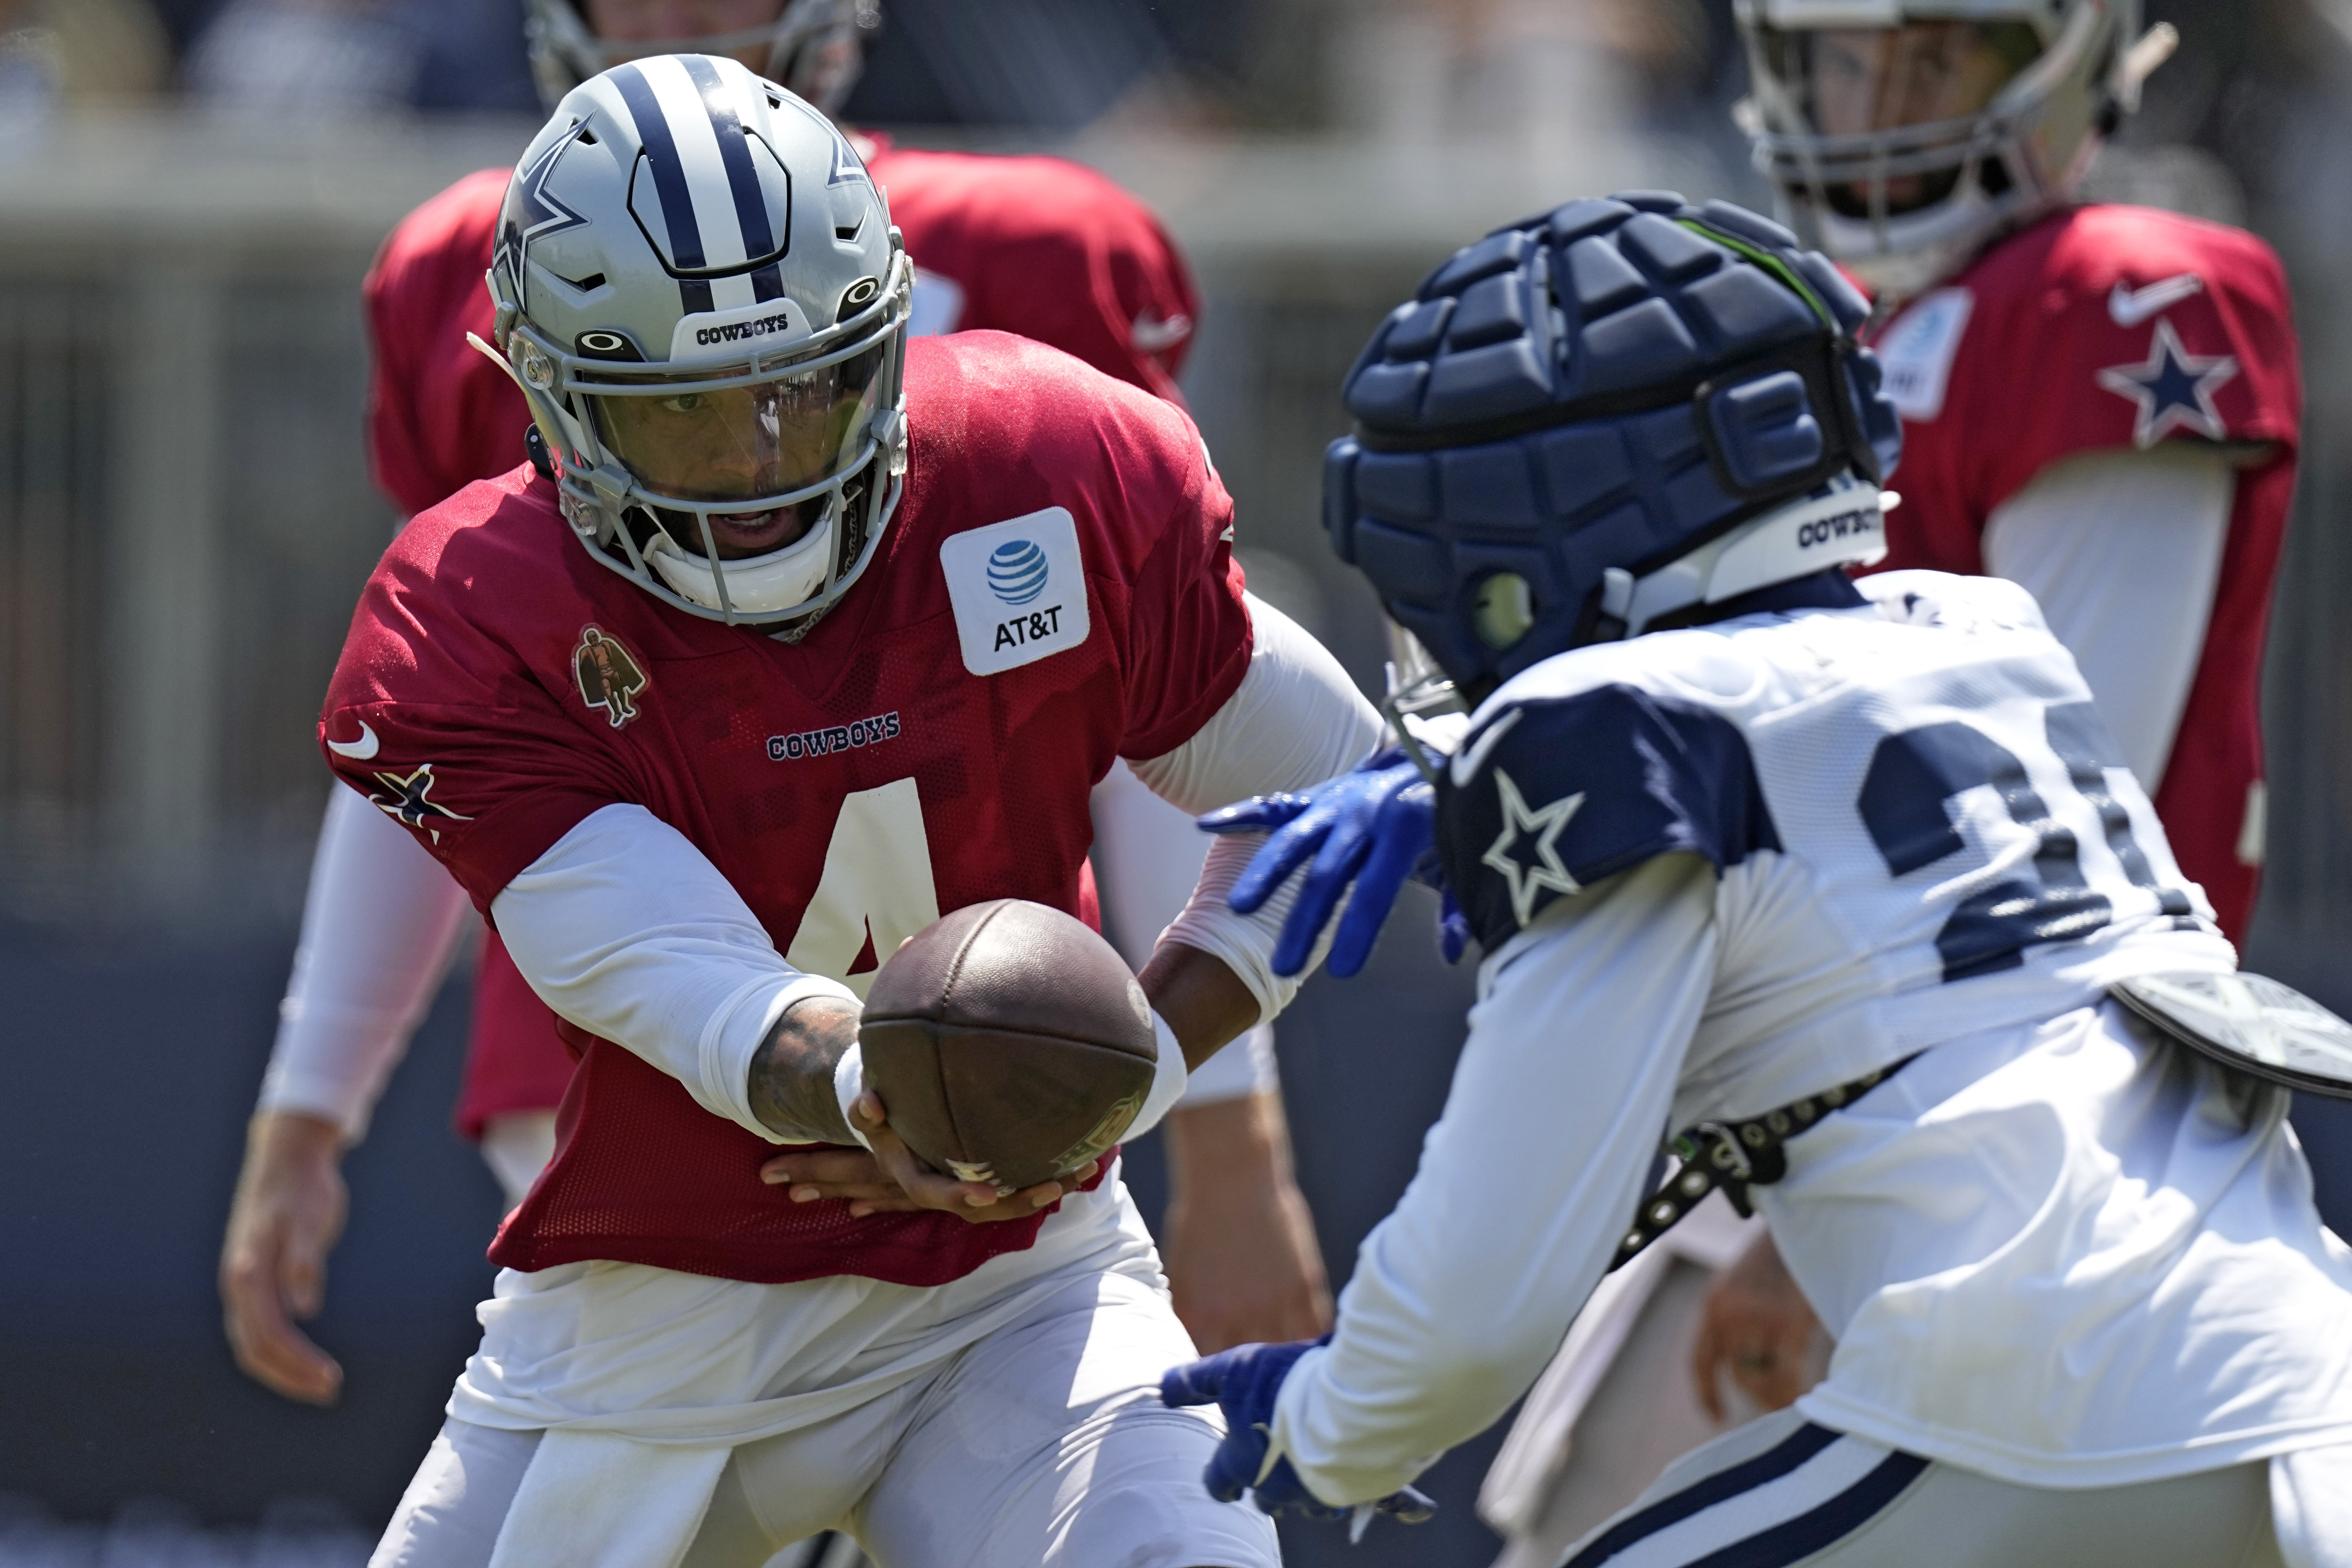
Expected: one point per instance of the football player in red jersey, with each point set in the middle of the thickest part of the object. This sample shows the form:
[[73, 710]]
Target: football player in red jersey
[[2100, 403], [1035, 245], [794, 634]]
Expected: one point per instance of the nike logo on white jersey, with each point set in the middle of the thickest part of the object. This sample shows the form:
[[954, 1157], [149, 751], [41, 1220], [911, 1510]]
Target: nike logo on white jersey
[[1467, 765], [359, 751], [2128, 307]]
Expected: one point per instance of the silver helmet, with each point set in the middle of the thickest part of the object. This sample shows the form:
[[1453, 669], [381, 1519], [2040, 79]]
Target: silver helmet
[[701, 293], [1903, 135], [817, 47]]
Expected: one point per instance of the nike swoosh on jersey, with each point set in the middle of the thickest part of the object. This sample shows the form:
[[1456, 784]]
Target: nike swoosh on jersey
[[359, 751], [1467, 765], [2128, 307], [1152, 334]]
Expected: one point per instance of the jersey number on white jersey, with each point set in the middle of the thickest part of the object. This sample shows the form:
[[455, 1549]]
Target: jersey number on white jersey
[[1913, 776]]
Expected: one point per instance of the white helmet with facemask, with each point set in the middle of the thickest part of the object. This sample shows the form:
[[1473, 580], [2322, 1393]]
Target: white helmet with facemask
[[816, 48], [1903, 136], [699, 291]]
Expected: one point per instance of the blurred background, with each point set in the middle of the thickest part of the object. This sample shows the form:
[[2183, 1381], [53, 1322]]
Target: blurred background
[[190, 191]]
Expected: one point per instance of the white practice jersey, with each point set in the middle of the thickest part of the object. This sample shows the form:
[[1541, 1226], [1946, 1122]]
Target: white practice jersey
[[1939, 796], [1722, 869]]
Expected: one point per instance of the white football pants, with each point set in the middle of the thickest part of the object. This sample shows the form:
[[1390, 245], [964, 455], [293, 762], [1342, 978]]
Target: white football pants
[[1781, 1492], [1043, 1445]]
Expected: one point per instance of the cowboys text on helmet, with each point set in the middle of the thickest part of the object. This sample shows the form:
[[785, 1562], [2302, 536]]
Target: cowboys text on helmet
[[1903, 136], [699, 291]]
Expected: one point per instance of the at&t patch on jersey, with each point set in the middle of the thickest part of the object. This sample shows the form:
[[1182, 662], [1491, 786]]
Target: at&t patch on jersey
[[1019, 589]]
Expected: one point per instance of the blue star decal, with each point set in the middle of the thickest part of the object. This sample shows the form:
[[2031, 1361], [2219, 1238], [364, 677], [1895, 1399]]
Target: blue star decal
[[2174, 389], [533, 212], [408, 803]]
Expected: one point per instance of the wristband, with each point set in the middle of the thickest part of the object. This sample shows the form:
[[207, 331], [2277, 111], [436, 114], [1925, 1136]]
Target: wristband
[[1168, 1078], [848, 1083]]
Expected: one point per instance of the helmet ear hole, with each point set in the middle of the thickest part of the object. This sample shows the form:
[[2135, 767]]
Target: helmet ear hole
[[1503, 610]]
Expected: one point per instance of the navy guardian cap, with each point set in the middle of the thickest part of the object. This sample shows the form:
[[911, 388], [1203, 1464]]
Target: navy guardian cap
[[1618, 413]]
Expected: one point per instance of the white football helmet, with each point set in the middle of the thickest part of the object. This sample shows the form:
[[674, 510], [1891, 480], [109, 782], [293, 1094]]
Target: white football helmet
[[1903, 135], [816, 48], [701, 293]]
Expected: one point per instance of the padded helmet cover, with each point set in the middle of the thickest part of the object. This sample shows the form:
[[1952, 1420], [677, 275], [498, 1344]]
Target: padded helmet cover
[[1611, 385]]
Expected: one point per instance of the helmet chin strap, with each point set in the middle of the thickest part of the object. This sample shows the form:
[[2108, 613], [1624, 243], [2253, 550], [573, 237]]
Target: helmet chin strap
[[1838, 528]]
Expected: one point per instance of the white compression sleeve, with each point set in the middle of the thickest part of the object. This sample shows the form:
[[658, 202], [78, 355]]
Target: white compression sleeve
[[378, 928], [1148, 859], [1296, 720], [2123, 550], [1462, 1295], [624, 928]]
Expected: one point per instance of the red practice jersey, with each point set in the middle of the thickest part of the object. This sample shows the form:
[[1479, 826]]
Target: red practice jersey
[[1039, 247], [928, 745], [2100, 327]]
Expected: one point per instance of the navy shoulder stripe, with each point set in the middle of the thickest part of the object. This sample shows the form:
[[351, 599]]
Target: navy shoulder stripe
[[1548, 797]]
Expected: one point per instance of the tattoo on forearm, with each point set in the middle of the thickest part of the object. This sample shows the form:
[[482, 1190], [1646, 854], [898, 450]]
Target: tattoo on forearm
[[792, 1073]]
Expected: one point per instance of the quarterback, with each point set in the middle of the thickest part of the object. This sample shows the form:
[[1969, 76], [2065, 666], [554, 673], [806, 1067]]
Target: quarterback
[[794, 636], [1837, 883], [1034, 246]]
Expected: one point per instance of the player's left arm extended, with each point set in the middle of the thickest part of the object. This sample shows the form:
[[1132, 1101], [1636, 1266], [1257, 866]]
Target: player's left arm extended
[[1294, 719], [1462, 1294]]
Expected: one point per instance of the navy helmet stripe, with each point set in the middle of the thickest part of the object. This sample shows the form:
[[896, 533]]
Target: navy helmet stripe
[[1789, 1453], [1798, 1539], [768, 283], [735, 154], [669, 181]]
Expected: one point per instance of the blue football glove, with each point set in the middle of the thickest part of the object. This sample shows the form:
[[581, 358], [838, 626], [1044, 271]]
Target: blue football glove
[[1243, 1382], [1374, 827]]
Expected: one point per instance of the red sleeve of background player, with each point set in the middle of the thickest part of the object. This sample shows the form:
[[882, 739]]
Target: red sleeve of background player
[[1051, 251], [436, 719], [440, 416], [2101, 329]]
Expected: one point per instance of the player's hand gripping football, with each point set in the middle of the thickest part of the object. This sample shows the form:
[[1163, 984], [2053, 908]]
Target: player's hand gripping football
[[1374, 827], [287, 1213], [1243, 1382], [892, 1178]]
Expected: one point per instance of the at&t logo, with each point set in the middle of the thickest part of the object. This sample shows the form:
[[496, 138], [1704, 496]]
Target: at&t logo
[[1017, 571]]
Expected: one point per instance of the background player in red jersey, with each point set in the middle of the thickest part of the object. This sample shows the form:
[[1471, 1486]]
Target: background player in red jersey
[[794, 638], [2100, 403], [1035, 245]]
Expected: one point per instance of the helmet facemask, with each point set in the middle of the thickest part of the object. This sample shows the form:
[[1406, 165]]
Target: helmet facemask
[[749, 489], [816, 48], [1901, 149]]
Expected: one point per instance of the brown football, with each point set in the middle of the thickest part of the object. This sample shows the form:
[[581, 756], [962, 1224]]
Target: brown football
[[1009, 1042]]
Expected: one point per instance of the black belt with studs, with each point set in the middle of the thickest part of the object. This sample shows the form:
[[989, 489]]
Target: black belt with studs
[[1734, 1156]]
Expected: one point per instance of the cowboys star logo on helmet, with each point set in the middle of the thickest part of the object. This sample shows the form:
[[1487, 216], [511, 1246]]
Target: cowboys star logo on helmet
[[709, 321]]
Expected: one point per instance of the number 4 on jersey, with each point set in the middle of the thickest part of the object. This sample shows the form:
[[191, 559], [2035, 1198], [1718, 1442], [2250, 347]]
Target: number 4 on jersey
[[1906, 802], [876, 891]]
